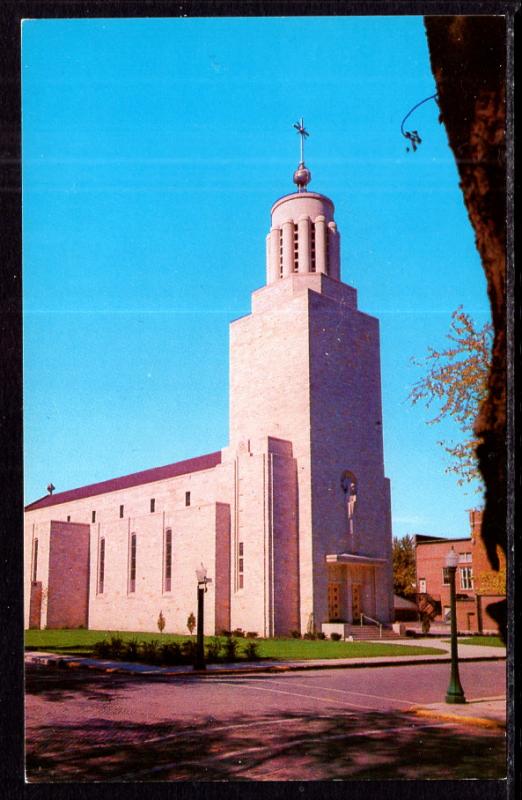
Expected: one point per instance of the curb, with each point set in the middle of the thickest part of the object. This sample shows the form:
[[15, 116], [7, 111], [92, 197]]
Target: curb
[[479, 722], [66, 663]]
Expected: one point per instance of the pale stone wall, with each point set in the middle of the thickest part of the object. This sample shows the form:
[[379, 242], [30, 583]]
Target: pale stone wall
[[68, 580]]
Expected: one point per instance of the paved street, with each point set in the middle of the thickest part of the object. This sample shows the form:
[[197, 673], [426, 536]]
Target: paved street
[[319, 725]]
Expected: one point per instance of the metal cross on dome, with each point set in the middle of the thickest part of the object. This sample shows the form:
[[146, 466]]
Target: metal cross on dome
[[301, 130]]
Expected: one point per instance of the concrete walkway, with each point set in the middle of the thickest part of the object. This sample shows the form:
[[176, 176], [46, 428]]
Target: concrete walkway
[[486, 712]]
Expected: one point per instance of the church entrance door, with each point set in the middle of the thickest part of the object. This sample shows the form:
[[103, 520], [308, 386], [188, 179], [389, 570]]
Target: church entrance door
[[356, 602], [334, 601]]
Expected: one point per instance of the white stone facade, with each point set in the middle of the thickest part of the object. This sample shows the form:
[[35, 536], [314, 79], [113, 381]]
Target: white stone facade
[[292, 519]]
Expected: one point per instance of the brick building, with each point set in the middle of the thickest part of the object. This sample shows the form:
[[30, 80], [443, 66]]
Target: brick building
[[291, 519], [476, 584]]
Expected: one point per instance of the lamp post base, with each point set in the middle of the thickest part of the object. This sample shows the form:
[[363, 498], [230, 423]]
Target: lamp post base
[[455, 694]]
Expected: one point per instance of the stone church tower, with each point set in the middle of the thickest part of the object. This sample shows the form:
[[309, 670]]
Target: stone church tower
[[305, 370], [292, 519]]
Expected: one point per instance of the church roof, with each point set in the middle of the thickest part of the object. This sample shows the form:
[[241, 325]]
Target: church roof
[[126, 481]]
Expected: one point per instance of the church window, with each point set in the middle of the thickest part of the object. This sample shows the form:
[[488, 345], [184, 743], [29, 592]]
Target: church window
[[187, 498], [93, 516], [132, 563], [296, 249], [35, 560], [152, 505], [312, 247], [101, 567], [69, 518], [280, 254], [121, 512], [168, 561], [466, 578], [240, 565]]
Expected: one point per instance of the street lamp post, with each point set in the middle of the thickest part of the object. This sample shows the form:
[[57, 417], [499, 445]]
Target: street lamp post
[[455, 692], [201, 575]]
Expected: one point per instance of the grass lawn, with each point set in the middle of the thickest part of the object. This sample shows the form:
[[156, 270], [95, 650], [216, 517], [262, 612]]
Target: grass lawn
[[486, 641], [80, 643]]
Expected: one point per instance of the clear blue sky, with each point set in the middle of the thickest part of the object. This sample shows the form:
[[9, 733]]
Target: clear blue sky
[[152, 152]]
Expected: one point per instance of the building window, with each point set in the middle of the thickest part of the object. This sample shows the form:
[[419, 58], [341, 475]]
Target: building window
[[312, 247], [35, 560], [121, 512], [101, 567], [240, 566], [465, 557], [68, 518], [132, 563], [93, 516], [152, 505], [296, 249], [187, 498], [167, 568], [280, 254], [422, 585], [466, 578], [445, 576], [446, 613]]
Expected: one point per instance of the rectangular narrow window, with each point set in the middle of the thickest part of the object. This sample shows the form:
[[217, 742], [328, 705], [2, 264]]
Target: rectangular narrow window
[[464, 557], [312, 247], [466, 578], [445, 576], [240, 566], [35, 560], [422, 585], [152, 505], [132, 563], [68, 518], [93, 516], [101, 567], [168, 561], [121, 512], [187, 498], [296, 249]]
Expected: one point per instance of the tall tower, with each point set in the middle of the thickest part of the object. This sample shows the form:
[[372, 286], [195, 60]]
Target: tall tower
[[305, 374]]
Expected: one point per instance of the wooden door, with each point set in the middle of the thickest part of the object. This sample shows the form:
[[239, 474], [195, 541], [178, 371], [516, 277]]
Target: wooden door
[[356, 602], [334, 601]]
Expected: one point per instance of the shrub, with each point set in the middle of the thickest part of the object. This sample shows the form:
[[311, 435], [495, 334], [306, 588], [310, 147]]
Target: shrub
[[321, 635], [230, 649], [295, 634], [191, 622], [251, 650], [131, 650], [161, 622], [171, 653], [102, 649], [251, 634], [335, 637], [238, 632], [116, 645], [214, 649], [309, 635], [151, 651], [224, 632], [188, 651]]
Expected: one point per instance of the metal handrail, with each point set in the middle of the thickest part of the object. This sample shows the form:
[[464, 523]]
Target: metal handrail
[[375, 621]]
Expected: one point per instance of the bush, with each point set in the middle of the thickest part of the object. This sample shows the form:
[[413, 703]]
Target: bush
[[251, 651], [321, 635], [251, 634], [188, 651], [230, 649], [295, 634], [102, 649], [171, 653], [238, 632], [131, 650], [214, 649], [335, 637], [309, 636], [224, 632], [116, 646], [151, 651]]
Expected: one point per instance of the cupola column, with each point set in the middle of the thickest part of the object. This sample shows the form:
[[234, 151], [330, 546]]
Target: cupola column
[[303, 239], [288, 247], [334, 251], [320, 244], [274, 238]]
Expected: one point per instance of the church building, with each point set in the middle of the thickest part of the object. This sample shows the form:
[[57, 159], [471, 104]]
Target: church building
[[291, 520]]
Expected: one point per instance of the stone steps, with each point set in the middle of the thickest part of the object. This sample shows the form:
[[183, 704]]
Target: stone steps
[[371, 632]]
